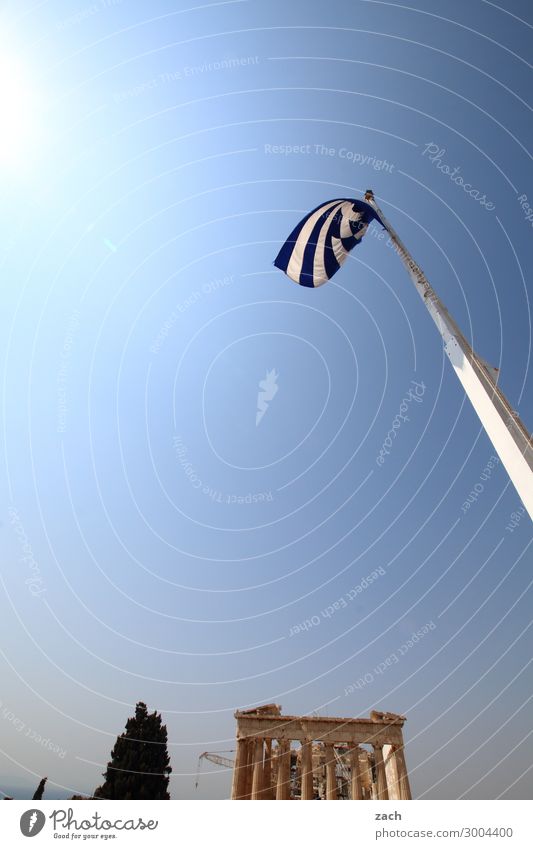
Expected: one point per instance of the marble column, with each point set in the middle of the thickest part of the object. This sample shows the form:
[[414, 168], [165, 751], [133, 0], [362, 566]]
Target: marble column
[[403, 778], [307, 770], [283, 787], [355, 774], [381, 778], [250, 748], [257, 781], [391, 772], [331, 777], [239, 770], [267, 771]]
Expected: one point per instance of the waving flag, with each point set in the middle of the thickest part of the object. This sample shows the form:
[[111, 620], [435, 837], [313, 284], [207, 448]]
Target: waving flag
[[320, 243]]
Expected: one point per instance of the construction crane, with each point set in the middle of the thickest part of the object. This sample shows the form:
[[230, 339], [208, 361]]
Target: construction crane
[[343, 768], [214, 758]]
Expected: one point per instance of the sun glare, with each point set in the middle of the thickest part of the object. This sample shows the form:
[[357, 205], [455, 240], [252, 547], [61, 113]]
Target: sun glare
[[18, 110]]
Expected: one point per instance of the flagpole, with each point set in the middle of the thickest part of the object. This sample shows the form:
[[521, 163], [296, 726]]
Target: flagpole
[[508, 434]]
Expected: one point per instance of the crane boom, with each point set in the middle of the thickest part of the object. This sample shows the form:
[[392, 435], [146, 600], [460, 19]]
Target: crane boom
[[214, 758]]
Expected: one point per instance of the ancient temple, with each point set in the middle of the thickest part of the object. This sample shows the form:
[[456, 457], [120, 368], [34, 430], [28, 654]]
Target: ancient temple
[[326, 757]]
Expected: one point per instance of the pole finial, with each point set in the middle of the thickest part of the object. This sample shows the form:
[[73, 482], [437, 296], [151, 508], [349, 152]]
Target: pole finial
[[369, 194]]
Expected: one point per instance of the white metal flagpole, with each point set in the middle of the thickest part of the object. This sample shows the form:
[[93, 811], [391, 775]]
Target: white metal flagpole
[[504, 427]]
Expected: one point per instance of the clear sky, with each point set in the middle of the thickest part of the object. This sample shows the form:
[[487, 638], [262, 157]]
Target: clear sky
[[160, 542]]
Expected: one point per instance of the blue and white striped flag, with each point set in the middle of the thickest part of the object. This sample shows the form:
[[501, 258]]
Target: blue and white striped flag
[[320, 243]]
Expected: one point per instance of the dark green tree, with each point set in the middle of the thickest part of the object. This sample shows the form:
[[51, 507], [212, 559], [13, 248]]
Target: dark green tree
[[139, 766], [40, 790]]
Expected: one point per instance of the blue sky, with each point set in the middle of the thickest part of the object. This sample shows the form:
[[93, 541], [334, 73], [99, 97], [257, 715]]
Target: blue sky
[[157, 543]]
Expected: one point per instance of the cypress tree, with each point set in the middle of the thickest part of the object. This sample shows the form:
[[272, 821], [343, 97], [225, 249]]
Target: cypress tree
[[40, 790], [139, 766]]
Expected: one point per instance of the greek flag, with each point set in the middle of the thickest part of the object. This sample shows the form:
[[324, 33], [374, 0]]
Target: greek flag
[[320, 243]]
